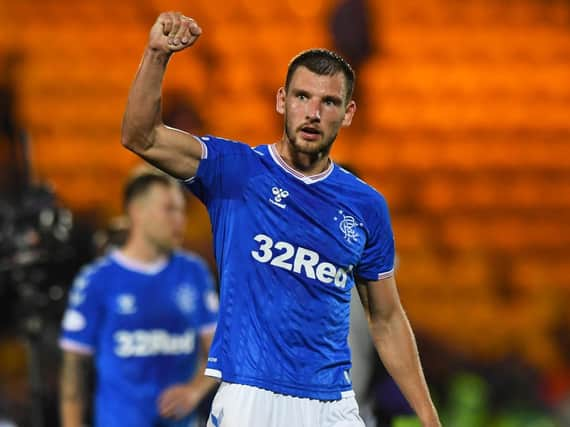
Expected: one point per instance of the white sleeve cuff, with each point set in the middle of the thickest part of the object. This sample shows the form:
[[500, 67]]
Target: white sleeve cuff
[[75, 346], [208, 328], [203, 156], [386, 274]]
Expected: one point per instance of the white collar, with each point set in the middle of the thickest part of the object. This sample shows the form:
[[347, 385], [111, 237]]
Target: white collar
[[137, 266], [311, 179]]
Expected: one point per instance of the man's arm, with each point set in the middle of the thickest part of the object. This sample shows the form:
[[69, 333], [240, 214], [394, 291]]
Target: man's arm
[[396, 345], [143, 132], [202, 384], [177, 401], [73, 388]]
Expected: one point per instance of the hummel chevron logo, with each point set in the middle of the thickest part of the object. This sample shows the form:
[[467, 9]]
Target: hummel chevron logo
[[278, 195]]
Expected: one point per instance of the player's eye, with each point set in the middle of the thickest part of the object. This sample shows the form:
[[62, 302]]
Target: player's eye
[[331, 102]]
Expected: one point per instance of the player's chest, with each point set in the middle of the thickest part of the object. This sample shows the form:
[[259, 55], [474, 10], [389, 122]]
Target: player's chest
[[299, 221], [152, 303]]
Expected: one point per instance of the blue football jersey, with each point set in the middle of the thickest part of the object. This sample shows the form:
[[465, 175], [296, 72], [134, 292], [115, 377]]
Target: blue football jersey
[[142, 324], [288, 248]]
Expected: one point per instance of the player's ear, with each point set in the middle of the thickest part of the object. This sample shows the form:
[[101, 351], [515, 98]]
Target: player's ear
[[280, 101], [349, 113]]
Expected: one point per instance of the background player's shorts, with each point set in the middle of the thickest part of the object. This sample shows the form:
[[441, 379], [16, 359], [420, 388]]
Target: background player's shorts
[[237, 405]]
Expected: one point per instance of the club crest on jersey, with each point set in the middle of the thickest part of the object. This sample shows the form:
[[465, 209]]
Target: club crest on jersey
[[349, 226], [278, 195], [126, 304], [186, 298]]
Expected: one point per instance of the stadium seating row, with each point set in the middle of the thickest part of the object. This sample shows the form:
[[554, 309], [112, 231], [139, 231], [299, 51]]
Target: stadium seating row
[[462, 124]]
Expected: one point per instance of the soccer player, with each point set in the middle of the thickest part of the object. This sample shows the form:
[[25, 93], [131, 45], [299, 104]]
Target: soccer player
[[293, 234], [146, 314]]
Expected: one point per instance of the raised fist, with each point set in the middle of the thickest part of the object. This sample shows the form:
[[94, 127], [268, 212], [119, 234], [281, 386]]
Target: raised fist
[[173, 31]]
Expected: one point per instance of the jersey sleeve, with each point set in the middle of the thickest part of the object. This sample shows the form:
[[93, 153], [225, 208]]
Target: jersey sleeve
[[82, 318], [222, 170], [377, 260], [207, 301]]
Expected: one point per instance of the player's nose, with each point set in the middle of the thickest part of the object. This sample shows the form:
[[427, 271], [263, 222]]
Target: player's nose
[[313, 111]]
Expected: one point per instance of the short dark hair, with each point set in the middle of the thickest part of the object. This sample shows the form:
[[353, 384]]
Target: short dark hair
[[325, 63], [140, 185]]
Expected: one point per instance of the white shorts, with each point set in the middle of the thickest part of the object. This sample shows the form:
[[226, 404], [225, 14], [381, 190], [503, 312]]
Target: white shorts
[[237, 405]]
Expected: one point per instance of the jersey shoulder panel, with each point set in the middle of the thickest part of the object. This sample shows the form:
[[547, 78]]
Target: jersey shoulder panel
[[190, 259], [365, 191], [95, 271]]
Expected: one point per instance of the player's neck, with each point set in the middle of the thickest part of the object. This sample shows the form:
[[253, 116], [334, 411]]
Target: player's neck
[[141, 251], [305, 163]]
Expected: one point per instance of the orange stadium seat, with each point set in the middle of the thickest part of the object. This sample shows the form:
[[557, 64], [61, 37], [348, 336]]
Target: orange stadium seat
[[462, 125]]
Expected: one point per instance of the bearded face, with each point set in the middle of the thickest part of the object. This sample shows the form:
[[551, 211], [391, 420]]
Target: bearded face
[[314, 108]]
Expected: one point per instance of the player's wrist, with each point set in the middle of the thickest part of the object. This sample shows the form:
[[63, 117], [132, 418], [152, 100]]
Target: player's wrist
[[195, 390], [158, 53], [193, 395]]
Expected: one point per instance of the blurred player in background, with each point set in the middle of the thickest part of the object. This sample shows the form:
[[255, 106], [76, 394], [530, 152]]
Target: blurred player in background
[[145, 314], [293, 232]]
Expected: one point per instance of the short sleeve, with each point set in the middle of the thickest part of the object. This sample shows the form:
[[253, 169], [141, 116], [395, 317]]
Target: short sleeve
[[377, 260], [81, 320], [222, 170]]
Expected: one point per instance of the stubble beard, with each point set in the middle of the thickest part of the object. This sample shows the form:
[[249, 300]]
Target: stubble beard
[[311, 148]]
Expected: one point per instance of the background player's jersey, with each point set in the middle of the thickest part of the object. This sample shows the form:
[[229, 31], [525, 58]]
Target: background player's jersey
[[142, 325], [288, 248]]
